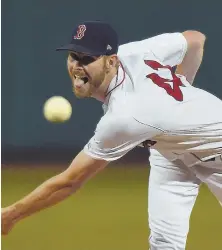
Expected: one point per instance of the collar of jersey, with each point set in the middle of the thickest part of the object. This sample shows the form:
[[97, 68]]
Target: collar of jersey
[[117, 80]]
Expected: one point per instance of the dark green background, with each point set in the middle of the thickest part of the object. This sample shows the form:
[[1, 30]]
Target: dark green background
[[32, 71]]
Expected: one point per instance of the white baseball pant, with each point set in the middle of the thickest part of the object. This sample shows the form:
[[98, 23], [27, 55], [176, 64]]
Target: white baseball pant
[[173, 188]]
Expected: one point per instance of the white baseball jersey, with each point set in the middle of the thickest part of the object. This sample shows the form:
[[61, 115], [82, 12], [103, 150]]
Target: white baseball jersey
[[152, 103]]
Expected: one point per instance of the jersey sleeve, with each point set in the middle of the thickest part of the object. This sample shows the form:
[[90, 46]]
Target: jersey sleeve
[[114, 137], [169, 48]]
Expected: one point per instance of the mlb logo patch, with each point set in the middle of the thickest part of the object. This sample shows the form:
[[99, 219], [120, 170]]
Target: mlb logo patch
[[108, 47]]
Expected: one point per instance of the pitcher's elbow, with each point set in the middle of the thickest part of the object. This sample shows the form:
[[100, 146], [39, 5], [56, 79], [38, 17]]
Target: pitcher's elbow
[[194, 38]]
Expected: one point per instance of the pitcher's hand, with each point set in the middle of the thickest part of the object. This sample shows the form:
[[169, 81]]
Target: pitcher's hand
[[8, 220]]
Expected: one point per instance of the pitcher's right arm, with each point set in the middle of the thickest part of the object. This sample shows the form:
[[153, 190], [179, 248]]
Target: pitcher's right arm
[[194, 55]]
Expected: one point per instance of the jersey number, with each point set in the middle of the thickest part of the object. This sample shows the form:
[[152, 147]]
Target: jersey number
[[174, 91]]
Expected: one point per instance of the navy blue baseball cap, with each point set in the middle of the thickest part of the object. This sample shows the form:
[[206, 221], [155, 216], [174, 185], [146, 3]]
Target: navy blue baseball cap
[[95, 38]]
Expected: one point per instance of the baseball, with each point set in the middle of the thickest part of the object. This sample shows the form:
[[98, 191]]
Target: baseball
[[57, 109]]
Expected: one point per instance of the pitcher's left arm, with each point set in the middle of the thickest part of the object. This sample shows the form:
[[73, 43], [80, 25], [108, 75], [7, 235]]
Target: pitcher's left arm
[[52, 191]]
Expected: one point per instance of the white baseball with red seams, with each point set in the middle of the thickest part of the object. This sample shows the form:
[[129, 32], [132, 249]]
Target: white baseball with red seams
[[57, 109]]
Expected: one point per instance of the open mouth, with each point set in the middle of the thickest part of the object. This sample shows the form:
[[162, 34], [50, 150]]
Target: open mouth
[[85, 79]]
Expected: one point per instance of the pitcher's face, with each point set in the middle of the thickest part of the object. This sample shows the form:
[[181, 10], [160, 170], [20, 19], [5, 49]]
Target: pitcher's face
[[86, 72]]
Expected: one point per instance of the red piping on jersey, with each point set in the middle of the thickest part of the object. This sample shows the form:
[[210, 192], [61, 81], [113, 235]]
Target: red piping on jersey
[[124, 76]]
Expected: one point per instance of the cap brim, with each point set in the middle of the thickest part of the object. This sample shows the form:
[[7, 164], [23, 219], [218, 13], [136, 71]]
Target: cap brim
[[80, 49]]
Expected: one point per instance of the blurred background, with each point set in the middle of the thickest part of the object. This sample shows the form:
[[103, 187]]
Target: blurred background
[[110, 212]]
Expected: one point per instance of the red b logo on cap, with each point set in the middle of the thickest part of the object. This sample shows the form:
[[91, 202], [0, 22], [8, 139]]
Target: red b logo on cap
[[80, 32]]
